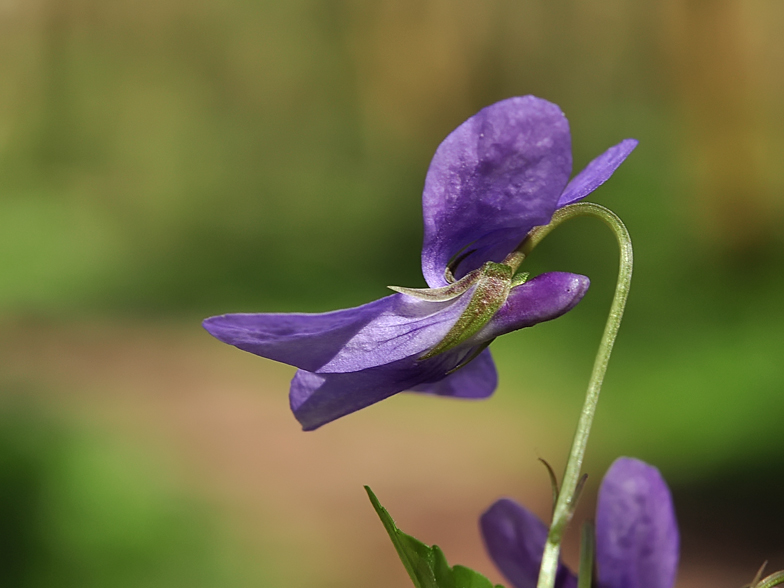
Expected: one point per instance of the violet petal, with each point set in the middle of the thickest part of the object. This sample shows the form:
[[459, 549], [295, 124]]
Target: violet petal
[[597, 172], [317, 399], [478, 379], [540, 299], [500, 172], [515, 538], [354, 339], [637, 540], [493, 246]]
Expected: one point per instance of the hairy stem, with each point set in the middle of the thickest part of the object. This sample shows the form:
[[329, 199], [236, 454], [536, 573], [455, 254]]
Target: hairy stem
[[564, 507]]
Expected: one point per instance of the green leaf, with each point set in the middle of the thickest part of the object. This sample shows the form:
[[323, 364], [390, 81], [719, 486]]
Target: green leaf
[[427, 566], [587, 550]]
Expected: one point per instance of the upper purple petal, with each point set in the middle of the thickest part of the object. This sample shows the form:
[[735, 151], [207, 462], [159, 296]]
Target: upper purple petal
[[354, 339], [597, 172], [637, 540], [540, 299], [317, 399], [478, 379], [515, 538], [496, 176]]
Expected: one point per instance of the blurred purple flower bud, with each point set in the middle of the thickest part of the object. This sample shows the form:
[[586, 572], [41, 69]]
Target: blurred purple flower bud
[[637, 540]]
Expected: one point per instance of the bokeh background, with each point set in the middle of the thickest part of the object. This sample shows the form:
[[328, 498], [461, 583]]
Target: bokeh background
[[162, 161]]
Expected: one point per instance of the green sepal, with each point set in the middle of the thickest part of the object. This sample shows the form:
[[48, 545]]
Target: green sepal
[[490, 293], [553, 481], [441, 294], [427, 566], [776, 579]]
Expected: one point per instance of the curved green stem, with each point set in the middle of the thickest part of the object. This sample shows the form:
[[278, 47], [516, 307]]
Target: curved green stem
[[564, 507]]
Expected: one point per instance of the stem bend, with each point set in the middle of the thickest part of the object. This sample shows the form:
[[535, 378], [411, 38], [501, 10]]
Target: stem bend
[[564, 507]]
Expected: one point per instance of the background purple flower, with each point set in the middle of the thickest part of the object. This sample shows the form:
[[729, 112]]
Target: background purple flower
[[637, 540], [495, 177]]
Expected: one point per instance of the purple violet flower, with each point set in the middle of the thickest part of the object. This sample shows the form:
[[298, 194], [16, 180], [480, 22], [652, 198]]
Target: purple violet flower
[[637, 540], [499, 174]]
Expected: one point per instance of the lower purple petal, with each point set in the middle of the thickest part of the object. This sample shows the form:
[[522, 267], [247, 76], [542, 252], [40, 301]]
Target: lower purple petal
[[317, 399], [383, 331], [637, 539], [515, 538], [596, 173], [306, 341], [478, 379]]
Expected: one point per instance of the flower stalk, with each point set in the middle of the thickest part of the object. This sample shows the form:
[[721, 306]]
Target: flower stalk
[[565, 505]]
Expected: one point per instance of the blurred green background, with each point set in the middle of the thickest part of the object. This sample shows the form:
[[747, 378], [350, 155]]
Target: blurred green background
[[162, 161]]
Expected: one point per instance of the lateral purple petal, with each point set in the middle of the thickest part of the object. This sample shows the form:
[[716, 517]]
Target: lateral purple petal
[[317, 399], [597, 172], [515, 538], [478, 379], [354, 339], [637, 540], [499, 173], [540, 299]]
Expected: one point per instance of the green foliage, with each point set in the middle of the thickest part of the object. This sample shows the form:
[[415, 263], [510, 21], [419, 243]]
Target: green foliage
[[427, 566], [79, 510]]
